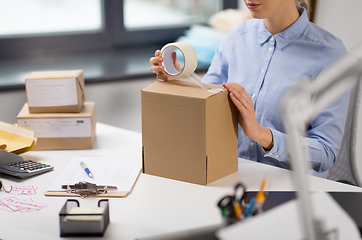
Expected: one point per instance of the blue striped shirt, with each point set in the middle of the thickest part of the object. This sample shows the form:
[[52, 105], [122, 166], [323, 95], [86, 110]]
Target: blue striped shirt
[[267, 66]]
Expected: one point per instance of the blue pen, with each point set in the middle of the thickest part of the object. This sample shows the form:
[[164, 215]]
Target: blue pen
[[86, 169], [250, 207]]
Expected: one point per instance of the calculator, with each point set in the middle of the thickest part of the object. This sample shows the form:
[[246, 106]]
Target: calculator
[[15, 165]]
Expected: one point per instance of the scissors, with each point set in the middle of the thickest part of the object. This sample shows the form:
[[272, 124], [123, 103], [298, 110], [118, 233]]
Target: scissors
[[2, 187], [232, 205]]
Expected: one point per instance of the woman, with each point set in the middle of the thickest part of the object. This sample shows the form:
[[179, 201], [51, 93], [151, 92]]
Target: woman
[[258, 62]]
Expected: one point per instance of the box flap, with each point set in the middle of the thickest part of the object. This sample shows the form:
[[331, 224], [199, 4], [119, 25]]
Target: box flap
[[181, 88]]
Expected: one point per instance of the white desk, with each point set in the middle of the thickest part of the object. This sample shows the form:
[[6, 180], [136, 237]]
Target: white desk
[[155, 205]]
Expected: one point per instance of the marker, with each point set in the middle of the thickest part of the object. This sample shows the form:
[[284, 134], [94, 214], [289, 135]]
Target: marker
[[260, 194], [237, 210], [260, 198], [86, 169]]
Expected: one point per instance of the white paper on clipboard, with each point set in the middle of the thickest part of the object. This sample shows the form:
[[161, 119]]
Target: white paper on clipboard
[[121, 172]]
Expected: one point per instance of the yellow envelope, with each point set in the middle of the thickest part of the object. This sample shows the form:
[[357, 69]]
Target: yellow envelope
[[16, 139]]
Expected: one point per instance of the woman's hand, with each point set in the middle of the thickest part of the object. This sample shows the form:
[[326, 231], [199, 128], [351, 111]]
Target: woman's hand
[[158, 68], [247, 119]]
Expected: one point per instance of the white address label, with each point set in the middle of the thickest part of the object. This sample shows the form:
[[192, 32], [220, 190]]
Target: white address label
[[58, 127], [52, 92]]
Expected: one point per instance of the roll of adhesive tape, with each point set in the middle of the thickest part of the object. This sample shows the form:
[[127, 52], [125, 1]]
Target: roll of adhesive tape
[[189, 55]]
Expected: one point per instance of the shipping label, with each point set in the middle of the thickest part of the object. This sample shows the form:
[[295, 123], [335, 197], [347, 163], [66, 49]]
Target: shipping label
[[52, 92], [58, 127]]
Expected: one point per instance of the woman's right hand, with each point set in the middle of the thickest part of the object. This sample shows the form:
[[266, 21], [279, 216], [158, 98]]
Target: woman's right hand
[[158, 68]]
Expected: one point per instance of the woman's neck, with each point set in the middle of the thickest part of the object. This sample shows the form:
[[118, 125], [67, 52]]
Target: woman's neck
[[281, 20]]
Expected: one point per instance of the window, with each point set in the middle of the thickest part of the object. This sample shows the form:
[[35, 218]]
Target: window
[[45, 17], [168, 13], [53, 26]]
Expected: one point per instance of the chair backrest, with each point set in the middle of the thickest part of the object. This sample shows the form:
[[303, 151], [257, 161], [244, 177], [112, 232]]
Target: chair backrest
[[356, 137], [347, 168]]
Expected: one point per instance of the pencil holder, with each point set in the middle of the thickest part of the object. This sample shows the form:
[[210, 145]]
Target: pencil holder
[[235, 208], [231, 217]]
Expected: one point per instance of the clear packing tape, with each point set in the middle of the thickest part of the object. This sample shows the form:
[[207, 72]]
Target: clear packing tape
[[190, 64], [16, 139]]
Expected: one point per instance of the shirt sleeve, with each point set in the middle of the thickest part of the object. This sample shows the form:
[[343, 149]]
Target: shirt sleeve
[[218, 70], [324, 133]]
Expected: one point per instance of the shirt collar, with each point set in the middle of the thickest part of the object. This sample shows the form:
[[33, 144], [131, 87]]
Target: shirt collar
[[288, 35]]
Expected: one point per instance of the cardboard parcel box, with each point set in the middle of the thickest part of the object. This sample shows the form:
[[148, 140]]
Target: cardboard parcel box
[[55, 91], [188, 134], [61, 131]]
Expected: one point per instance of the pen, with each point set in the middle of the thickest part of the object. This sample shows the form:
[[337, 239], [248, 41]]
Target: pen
[[250, 207], [86, 169]]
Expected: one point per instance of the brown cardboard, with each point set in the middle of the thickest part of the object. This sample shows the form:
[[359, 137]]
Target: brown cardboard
[[39, 123], [188, 134], [54, 107]]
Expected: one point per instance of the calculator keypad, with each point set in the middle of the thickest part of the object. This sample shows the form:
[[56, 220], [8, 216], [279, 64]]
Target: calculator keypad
[[28, 165]]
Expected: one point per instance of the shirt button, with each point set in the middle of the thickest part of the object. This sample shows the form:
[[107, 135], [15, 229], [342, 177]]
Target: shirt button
[[251, 144], [277, 156], [262, 71], [270, 49], [272, 39], [253, 96]]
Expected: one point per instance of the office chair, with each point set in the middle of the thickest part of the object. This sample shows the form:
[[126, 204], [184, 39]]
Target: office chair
[[356, 137], [299, 105], [347, 169]]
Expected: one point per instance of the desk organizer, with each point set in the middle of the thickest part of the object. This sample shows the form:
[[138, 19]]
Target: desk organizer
[[77, 221]]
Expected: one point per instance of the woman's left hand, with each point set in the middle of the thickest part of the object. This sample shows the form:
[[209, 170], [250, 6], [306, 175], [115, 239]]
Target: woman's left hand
[[247, 119]]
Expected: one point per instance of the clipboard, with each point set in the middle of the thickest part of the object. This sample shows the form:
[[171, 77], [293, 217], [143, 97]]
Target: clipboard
[[107, 194], [110, 168], [65, 194]]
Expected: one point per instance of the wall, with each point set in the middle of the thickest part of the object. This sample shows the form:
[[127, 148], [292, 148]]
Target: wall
[[342, 18], [11, 103]]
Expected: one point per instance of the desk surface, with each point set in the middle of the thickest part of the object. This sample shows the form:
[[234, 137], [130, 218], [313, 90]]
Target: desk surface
[[155, 206]]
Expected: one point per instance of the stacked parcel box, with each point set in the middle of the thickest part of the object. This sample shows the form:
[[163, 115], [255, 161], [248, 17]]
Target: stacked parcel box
[[57, 112]]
